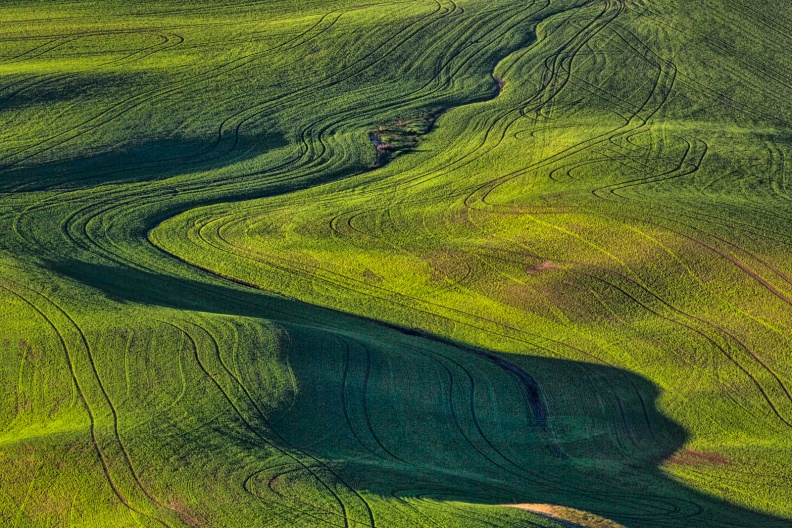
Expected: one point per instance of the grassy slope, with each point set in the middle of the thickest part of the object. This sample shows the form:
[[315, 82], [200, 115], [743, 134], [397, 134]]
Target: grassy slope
[[594, 259]]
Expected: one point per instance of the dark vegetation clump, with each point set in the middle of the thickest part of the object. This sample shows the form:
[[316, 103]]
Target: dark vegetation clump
[[402, 135]]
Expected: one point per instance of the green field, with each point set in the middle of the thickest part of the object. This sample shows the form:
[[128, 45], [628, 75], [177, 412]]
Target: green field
[[396, 264]]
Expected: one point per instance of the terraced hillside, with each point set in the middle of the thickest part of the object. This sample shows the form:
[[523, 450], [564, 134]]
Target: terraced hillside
[[393, 264]]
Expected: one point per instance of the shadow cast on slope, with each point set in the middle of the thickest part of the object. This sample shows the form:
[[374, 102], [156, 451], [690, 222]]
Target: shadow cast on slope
[[155, 159], [414, 417]]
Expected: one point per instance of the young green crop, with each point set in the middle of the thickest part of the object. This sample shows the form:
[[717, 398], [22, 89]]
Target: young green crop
[[223, 306]]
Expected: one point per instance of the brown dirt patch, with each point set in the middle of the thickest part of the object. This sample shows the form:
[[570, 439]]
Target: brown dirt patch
[[576, 518], [691, 457], [371, 277], [189, 518], [452, 265], [542, 266]]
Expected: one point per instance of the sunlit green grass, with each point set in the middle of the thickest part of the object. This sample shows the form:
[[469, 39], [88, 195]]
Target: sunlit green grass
[[220, 308]]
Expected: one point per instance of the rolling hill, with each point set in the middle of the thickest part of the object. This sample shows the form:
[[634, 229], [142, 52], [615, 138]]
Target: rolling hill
[[393, 264]]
